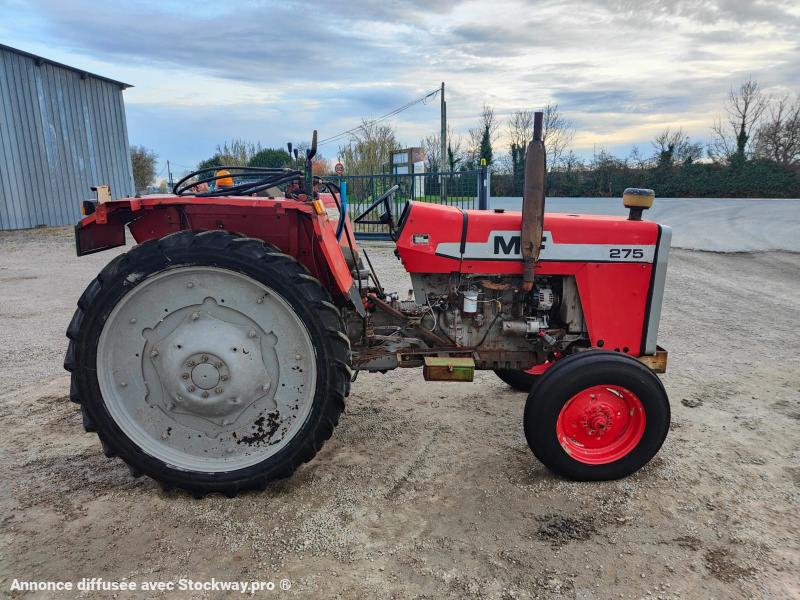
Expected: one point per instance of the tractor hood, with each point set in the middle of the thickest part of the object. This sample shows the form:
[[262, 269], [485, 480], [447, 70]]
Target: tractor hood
[[441, 239]]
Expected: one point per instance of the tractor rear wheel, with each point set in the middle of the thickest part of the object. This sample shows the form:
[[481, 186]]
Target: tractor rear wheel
[[208, 361], [597, 415], [522, 381]]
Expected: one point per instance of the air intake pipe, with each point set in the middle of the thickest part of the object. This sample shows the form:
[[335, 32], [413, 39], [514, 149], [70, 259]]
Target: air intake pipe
[[533, 203]]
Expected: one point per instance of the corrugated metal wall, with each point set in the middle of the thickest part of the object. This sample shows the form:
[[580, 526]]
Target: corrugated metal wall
[[61, 132]]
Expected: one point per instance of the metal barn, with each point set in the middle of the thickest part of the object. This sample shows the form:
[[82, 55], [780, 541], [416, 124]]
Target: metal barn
[[62, 130]]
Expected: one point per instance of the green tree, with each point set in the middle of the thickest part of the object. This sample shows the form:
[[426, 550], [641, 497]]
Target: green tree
[[270, 157], [486, 147], [143, 162], [214, 161], [454, 155]]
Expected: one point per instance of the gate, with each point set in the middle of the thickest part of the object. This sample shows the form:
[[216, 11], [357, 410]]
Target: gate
[[459, 188]]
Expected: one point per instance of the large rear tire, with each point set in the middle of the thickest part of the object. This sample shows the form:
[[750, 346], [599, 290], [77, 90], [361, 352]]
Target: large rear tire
[[209, 362], [597, 415]]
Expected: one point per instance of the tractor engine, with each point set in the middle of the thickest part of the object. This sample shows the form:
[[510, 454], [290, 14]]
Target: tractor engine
[[490, 311], [490, 315]]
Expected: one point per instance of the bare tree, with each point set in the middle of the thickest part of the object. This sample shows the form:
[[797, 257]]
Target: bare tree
[[370, 149], [432, 146], [489, 121], [520, 128], [557, 134], [520, 132], [778, 137], [473, 151], [675, 147], [571, 162], [237, 153], [636, 160], [732, 133]]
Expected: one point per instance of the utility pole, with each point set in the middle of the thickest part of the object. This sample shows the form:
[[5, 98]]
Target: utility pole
[[169, 174], [443, 135], [444, 130]]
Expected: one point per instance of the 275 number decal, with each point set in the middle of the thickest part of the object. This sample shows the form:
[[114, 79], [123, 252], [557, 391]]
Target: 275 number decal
[[626, 253]]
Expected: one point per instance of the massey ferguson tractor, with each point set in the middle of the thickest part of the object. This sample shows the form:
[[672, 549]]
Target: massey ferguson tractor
[[216, 354]]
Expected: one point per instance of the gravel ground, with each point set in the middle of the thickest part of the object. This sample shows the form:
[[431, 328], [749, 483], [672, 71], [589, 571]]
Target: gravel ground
[[428, 489]]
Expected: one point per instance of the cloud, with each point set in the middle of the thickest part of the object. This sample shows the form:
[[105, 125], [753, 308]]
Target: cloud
[[267, 43], [271, 71]]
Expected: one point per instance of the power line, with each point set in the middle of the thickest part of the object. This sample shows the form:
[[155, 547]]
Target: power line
[[391, 113]]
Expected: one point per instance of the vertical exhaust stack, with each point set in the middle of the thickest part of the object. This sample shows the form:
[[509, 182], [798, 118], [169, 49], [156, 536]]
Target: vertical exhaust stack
[[533, 203]]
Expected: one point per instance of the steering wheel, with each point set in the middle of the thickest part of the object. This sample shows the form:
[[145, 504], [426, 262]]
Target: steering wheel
[[386, 217]]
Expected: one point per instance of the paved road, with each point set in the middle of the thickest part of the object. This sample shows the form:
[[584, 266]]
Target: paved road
[[715, 224]]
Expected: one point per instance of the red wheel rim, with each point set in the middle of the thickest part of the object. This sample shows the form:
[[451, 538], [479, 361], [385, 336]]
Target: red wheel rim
[[601, 424]]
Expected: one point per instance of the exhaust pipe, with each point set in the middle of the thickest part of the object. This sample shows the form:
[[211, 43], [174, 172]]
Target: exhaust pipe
[[533, 203]]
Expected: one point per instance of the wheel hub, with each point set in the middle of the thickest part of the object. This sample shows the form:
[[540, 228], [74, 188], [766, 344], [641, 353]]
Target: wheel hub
[[598, 420], [214, 386], [206, 376], [601, 424]]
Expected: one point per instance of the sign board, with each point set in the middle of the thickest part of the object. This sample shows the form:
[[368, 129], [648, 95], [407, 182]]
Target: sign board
[[339, 169]]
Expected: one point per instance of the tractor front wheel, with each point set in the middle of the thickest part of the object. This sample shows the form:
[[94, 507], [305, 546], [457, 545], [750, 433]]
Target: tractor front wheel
[[522, 381], [208, 361], [597, 415]]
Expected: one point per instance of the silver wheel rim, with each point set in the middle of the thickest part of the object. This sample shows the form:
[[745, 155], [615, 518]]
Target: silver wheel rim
[[206, 369]]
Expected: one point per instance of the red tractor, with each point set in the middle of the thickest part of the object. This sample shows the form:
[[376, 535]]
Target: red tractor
[[216, 355]]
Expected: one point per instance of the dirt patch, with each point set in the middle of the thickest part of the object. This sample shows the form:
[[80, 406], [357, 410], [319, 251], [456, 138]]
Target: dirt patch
[[560, 530], [720, 565], [429, 489]]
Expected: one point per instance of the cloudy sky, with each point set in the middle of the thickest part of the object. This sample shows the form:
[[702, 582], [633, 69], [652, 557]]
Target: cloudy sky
[[621, 70]]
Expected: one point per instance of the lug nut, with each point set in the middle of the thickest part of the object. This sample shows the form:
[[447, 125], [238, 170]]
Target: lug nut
[[265, 387], [154, 353], [204, 358], [218, 365], [260, 300], [191, 388], [190, 364], [185, 376], [219, 390], [195, 316], [204, 394], [251, 333], [297, 357], [224, 377]]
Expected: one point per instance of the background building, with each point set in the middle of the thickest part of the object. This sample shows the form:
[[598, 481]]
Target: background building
[[62, 130]]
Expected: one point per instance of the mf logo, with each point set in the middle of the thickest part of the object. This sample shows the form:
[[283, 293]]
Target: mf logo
[[511, 245], [507, 245]]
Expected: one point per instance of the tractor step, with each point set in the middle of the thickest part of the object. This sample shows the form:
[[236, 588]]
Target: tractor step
[[448, 368]]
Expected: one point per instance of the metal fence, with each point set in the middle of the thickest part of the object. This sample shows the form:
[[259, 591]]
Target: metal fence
[[459, 188]]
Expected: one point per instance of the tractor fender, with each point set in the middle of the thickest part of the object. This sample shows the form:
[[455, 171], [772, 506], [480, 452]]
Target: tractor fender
[[296, 228]]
